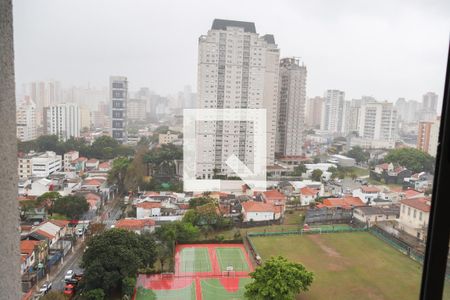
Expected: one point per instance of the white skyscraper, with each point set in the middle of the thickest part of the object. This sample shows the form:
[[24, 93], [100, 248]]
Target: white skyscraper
[[63, 120], [378, 121], [291, 107], [237, 69], [44, 94], [26, 120], [118, 86], [333, 110]]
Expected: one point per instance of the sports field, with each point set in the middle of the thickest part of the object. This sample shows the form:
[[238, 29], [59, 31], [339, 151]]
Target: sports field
[[347, 266], [200, 273]]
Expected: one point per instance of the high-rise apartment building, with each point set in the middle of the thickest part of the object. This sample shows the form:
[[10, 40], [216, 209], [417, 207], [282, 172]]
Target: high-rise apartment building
[[237, 69], [429, 101], [378, 121], [428, 135], [118, 86], [44, 94], [136, 109], [63, 120], [333, 109], [313, 115], [291, 108], [26, 120]]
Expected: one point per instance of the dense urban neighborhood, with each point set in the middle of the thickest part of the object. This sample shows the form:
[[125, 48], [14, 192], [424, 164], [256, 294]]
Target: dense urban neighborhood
[[108, 211]]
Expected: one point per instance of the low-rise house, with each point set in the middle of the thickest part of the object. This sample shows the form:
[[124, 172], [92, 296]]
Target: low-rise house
[[255, 211], [95, 184], [344, 202], [341, 160], [78, 165], [411, 194], [370, 215], [390, 174], [419, 181], [308, 195], [69, 157], [414, 215], [28, 254], [137, 225], [104, 166], [148, 209], [367, 193], [92, 164]]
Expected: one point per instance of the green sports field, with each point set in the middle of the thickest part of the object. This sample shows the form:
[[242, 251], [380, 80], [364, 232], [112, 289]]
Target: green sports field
[[174, 294], [195, 260], [231, 256], [347, 265], [212, 289]]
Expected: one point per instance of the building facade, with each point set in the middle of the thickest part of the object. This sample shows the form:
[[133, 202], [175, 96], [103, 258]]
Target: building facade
[[313, 114], [118, 86], [333, 112], [39, 164], [291, 107], [63, 120], [378, 121], [428, 134], [237, 69], [136, 109], [26, 120]]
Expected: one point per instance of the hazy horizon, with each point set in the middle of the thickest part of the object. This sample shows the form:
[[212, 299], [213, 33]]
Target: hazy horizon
[[388, 50]]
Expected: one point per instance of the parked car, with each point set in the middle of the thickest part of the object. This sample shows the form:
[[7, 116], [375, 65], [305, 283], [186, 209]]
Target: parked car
[[69, 275], [46, 287]]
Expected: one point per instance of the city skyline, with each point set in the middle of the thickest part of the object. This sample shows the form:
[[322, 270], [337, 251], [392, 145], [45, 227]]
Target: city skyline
[[360, 60]]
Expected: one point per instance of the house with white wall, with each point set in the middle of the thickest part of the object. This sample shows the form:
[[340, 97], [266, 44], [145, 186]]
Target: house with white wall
[[147, 209], [367, 193], [255, 211], [414, 215]]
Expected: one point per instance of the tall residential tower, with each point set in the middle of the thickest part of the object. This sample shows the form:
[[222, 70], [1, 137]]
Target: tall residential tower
[[118, 87], [237, 69], [291, 108]]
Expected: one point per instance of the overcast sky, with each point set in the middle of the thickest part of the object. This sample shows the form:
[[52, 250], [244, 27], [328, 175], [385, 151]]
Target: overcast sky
[[386, 49]]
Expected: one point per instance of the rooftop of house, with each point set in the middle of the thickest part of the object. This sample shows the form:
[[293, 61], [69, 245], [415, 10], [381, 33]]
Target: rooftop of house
[[370, 189], [27, 246], [422, 204], [273, 195], [149, 205], [134, 224], [380, 210], [345, 202], [256, 206], [411, 193], [93, 181], [307, 191], [92, 161]]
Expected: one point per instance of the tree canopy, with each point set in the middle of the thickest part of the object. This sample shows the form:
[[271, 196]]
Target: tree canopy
[[316, 175], [118, 173], [358, 154], [411, 158], [278, 279], [71, 206], [299, 170], [115, 255]]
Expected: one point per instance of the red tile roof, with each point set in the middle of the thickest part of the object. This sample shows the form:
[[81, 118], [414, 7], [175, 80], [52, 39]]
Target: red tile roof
[[346, 202], [27, 246], [419, 203], [104, 165], [92, 196], [134, 224], [370, 189], [149, 205], [384, 166], [60, 223], [308, 191], [274, 195], [411, 193], [183, 205], [254, 206], [95, 182], [149, 194], [92, 161]]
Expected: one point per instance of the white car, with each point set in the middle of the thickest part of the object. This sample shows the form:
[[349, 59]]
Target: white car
[[69, 275], [45, 288]]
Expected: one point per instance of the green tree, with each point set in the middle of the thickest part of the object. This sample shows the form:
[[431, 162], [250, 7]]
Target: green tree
[[334, 172], [114, 255], [54, 295], [199, 201], [71, 206], [316, 160], [118, 173], [179, 232], [299, 170], [278, 279], [128, 284], [95, 294], [411, 158], [316, 175], [358, 154]]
